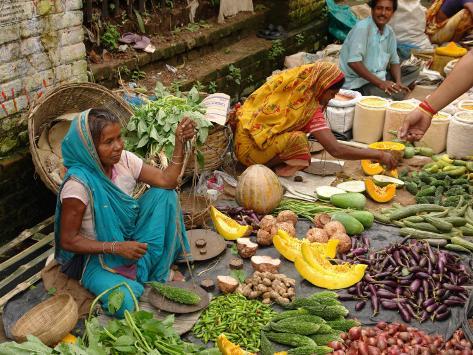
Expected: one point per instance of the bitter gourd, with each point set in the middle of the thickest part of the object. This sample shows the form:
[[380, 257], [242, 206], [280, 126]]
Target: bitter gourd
[[294, 340], [176, 294]]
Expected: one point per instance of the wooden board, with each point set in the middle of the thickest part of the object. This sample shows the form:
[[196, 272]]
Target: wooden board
[[215, 244], [162, 303]]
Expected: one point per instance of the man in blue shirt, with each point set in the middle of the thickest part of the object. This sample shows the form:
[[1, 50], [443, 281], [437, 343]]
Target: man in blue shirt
[[369, 52]]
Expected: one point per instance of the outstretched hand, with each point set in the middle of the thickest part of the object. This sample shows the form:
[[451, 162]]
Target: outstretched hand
[[415, 125], [186, 130]]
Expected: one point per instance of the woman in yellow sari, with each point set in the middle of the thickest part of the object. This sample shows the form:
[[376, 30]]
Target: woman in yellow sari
[[273, 123], [449, 20]]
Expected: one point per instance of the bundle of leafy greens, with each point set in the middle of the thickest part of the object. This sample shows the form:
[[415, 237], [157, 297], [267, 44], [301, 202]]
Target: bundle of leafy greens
[[153, 126], [138, 333]]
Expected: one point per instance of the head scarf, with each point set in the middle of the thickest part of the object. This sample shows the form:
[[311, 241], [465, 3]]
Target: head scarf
[[287, 101], [114, 212]]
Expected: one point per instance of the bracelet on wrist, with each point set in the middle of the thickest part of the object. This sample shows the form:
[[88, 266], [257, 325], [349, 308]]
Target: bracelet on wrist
[[425, 111], [427, 107]]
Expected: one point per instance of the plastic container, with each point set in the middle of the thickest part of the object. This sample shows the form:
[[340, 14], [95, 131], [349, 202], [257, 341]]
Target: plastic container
[[368, 122], [465, 105], [436, 135], [460, 131], [396, 112]]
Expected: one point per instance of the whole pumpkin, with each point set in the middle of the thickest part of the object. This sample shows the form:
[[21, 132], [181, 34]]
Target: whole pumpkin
[[259, 189]]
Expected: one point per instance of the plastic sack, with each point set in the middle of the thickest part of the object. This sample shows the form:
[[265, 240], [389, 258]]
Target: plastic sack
[[298, 59], [345, 103], [408, 24], [341, 20], [340, 119]]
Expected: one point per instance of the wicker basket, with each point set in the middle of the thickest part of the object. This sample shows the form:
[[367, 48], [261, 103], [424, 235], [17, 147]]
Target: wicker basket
[[195, 210], [50, 321], [64, 99]]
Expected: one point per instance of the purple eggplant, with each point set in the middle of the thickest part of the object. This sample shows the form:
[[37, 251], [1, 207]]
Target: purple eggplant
[[451, 287], [405, 315], [360, 305], [388, 304], [385, 294], [415, 285]]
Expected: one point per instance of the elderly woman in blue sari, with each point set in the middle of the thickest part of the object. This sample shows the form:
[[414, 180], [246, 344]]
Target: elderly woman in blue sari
[[103, 235]]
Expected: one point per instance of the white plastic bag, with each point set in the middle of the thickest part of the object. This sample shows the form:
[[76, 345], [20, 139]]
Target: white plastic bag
[[340, 119], [346, 103]]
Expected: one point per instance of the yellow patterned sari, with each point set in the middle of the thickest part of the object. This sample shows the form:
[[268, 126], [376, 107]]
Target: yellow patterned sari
[[271, 123]]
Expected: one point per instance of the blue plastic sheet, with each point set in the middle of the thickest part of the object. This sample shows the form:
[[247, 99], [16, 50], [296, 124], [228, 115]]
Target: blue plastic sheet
[[341, 20]]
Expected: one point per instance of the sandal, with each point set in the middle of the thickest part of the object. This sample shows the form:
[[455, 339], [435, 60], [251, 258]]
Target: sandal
[[129, 38], [272, 32]]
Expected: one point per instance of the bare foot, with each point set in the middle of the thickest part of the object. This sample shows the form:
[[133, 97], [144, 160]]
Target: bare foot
[[287, 170]]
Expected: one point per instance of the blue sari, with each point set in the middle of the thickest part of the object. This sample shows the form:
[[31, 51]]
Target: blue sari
[[155, 219]]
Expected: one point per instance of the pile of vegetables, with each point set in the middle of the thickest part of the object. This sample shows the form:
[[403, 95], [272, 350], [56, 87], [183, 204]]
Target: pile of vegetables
[[152, 127], [138, 333], [239, 318], [443, 182], [309, 326], [269, 226], [398, 339], [304, 209], [413, 278], [440, 226], [269, 287]]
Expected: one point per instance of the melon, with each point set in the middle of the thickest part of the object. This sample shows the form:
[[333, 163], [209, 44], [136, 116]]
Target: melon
[[352, 186], [325, 192], [259, 189], [383, 180]]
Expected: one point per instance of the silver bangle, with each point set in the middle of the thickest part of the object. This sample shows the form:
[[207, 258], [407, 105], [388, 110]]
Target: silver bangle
[[103, 248], [113, 247]]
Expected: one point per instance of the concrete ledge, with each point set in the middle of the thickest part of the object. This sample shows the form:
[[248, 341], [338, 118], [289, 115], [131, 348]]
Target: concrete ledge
[[233, 28]]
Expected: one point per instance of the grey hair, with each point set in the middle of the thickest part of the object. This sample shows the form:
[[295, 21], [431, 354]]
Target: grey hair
[[98, 120]]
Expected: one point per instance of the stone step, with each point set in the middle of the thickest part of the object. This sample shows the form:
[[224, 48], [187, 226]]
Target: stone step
[[238, 68], [201, 42]]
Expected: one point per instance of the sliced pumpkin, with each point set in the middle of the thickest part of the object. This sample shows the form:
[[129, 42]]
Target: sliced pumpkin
[[290, 247], [228, 227], [387, 146], [226, 347], [378, 193], [371, 168], [316, 269]]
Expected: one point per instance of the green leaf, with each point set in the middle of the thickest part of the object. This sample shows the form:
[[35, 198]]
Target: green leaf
[[234, 250], [125, 340], [115, 301], [240, 275], [142, 127], [140, 21], [154, 134], [143, 141], [52, 291], [32, 346], [194, 94], [131, 126], [200, 159]]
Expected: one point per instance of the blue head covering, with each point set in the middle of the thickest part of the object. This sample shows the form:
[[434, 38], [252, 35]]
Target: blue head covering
[[114, 213]]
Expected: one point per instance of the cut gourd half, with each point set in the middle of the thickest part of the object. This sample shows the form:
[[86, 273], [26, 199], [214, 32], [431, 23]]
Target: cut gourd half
[[325, 192], [352, 186], [227, 227], [383, 180]]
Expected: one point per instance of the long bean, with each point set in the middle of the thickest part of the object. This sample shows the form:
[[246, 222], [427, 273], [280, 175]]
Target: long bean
[[305, 209]]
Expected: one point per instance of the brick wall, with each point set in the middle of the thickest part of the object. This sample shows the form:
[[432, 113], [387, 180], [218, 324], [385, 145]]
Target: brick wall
[[41, 46]]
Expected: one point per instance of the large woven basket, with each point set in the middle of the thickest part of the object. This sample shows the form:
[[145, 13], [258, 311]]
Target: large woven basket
[[69, 98], [50, 321], [195, 210]]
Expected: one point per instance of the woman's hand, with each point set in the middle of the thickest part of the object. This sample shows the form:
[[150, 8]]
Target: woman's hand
[[131, 250], [389, 159], [186, 130], [415, 125]]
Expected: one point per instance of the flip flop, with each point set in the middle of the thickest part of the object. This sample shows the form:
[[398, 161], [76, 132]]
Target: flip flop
[[129, 38]]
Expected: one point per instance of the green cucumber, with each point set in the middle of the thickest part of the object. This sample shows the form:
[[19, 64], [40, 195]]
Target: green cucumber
[[351, 224], [294, 340], [466, 230], [382, 218], [352, 200], [440, 224], [310, 350], [457, 248], [366, 218], [437, 243], [414, 209], [423, 226], [302, 328], [455, 221], [414, 219], [288, 314], [412, 188], [418, 234], [462, 242]]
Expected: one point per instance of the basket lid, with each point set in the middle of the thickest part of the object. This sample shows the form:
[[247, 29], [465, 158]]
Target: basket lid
[[441, 117], [465, 105], [464, 117]]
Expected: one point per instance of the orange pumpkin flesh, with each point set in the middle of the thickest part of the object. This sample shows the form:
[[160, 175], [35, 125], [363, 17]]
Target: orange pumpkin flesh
[[380, 194], [371, 168]]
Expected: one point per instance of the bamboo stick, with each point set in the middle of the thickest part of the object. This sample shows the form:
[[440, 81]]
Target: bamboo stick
[[26, 252], [25, 267], [20, 288], [27, 233]]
